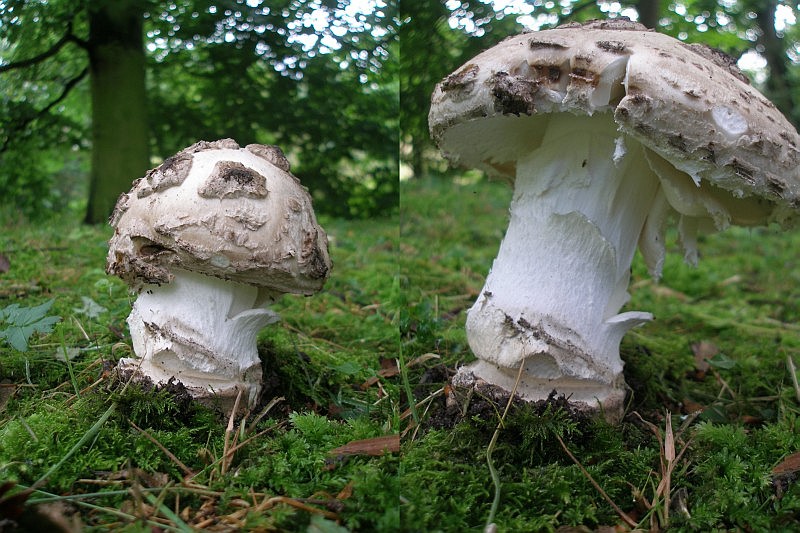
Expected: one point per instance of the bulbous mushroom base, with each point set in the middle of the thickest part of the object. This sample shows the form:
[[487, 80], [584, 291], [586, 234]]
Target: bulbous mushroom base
[[220, 396], [201, 331], [593, 398]]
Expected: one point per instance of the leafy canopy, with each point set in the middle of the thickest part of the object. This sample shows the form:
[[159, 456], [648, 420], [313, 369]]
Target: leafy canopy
[[316, 77]]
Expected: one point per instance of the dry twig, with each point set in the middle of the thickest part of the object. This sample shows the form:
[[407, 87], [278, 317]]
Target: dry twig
[[227, 453], [793, 374], [668, 459], [188, 471], [622, 514]]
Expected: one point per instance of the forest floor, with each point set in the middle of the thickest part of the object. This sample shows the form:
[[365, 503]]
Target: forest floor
[[320, 452], [712, 422]]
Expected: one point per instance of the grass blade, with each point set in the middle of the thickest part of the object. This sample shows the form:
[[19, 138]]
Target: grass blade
[[492, 472], [168, 513], [91, 433]]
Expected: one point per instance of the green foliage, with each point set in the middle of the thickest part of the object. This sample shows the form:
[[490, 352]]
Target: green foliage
[[430, 51], [253, 73], [41, 179], [18, 324], [730, 484], [43, 111], [438, 37], [333, 110]]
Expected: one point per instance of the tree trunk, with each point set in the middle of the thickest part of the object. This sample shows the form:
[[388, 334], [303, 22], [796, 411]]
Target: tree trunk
[[648, 12], [119, 110], [417, 157], [777, 87]]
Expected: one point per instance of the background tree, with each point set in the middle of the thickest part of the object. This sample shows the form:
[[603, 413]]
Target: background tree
[[451, 32], [429, 50], [120, 147], [312, 76]]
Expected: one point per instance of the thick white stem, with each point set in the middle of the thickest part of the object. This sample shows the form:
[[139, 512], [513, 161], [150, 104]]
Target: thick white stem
[[202, 331], [552, 298]]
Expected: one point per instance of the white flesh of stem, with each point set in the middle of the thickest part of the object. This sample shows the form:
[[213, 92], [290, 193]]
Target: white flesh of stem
[[561, 275], [200, 330]]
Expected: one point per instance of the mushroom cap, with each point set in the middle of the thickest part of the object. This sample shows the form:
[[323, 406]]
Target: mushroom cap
[[688, 103], [224, 211]]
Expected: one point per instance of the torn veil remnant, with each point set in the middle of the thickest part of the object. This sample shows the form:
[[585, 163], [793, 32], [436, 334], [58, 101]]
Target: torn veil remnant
[[607, 131], [208, 240]]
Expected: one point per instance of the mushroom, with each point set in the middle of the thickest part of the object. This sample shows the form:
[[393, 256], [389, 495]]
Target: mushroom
[[208, 240], [607, 131]]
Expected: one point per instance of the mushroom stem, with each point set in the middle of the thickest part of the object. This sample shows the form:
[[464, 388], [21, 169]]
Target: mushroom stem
[[552, 298], [202, 331]]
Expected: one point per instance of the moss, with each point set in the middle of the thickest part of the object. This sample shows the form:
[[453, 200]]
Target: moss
[[318, 358], [740, 300]]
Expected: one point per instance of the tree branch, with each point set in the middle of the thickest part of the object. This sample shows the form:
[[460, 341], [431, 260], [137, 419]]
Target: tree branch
[[574, 9], [50, 52], [68, 86]]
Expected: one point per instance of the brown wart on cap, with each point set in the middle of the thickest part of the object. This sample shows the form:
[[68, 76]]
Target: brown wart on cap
[[170, 173], [608, 131], [231, 179], [272, 154], [208, 239]]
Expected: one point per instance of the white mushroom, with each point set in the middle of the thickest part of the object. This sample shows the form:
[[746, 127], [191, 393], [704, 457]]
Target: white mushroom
[[607, 131], [208, 240]]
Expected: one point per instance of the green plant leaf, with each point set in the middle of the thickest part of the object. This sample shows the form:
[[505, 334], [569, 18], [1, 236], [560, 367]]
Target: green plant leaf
[[722, 361], [349, 368], [90, 308], [319, 524], [22, 322]]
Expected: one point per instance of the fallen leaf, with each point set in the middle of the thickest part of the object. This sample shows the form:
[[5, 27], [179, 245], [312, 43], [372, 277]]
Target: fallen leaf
[[388, 363], [722, 361], [375, 446], [661, 290], [349, 368], [369, 383], [67, 352], [50, 517], [90, 308], [320, 524], [388, 369], [388, 372], [789, 465], [731, 280], [703, 351], [7, 390], [751, 420], [691, 406], [12, 506], [346, 492], [669, 441]]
